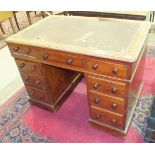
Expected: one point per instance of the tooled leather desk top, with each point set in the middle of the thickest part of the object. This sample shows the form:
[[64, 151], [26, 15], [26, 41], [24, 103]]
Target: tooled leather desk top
[[106, 38]]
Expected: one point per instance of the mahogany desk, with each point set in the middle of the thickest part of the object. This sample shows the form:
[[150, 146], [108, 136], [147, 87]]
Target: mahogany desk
[[53, 54]]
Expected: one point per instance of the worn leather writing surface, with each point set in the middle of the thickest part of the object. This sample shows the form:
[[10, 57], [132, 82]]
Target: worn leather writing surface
[[107, 38]]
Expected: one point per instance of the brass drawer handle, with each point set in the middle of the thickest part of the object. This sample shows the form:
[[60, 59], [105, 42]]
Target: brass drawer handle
[[97, 100], [95, 66], [96, 85], [37, 82], [21, 66], [115, 70], [34, 68], [45, 57], [69, 61], [114, 106], [114, 90], [97, 116], [16, 49], [26, 79], [114, 121]]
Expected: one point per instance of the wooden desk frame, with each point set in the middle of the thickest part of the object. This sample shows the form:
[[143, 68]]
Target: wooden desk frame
[[70, 68]]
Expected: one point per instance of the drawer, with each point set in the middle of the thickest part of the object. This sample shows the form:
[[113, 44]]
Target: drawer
[[106, 102], [106, 86], [20, 49], [107, 117], [37, 94], [107, 68], [58, 57], [47, 55], [33, 80], [28, 67]]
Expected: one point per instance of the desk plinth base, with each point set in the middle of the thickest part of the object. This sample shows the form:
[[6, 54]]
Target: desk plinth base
[[41, 105], [115, 131]]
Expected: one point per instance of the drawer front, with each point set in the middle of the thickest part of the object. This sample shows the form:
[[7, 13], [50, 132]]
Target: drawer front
[[106, 102], [47, 55], [64, 59], [37, 94], [28, 67], [33, 80], [20, 49], [106, 86], [107, 118], [107, 68]]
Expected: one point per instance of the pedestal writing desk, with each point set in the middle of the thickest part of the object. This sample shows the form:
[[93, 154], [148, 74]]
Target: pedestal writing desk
[[53, 54]]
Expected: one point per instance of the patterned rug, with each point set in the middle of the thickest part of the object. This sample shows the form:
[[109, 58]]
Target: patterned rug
[[141, 114], [12, 129], [20, 134]]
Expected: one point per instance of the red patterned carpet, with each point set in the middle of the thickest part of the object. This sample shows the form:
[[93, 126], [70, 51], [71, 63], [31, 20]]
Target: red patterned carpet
[[20, 122], [11, 122]]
